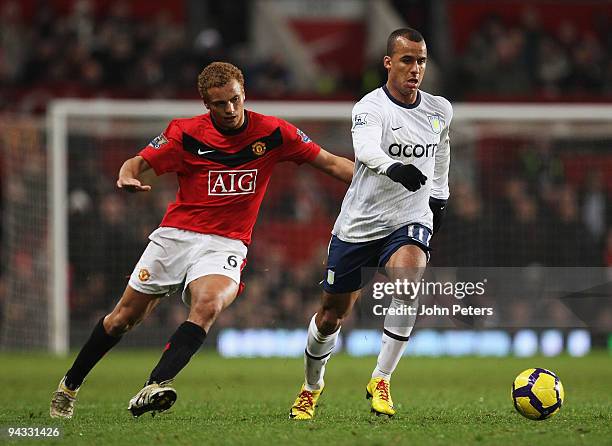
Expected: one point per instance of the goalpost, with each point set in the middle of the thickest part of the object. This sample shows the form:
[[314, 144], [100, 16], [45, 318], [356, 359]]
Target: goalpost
[[87, 140]]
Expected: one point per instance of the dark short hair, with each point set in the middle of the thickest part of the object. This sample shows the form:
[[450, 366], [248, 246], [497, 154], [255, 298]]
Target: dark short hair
[[407, 33]]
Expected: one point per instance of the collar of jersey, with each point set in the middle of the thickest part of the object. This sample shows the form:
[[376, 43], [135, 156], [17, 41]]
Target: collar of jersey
[[232, 131], [401, 104]]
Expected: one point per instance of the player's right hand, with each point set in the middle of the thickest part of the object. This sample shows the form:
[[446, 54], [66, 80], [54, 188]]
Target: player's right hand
[[407, 175], [132, 185]]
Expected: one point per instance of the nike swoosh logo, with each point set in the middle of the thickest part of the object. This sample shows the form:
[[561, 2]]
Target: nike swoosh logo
[[225, 267], [397, 128], [203, 152]]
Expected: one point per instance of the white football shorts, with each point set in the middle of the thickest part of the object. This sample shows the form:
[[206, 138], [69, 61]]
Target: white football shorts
[[175, 257]]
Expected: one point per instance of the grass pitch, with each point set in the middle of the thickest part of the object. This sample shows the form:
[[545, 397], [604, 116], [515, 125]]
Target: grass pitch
[[246, 402]]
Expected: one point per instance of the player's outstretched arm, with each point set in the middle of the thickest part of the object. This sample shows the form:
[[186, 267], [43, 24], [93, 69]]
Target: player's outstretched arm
[[336, 166], [129, 173]]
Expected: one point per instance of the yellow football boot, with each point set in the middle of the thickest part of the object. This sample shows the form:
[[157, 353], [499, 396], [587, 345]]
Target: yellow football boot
[[304, 406], [379, 390]]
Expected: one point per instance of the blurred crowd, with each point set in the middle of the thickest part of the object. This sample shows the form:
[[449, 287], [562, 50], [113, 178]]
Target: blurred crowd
[[116, 53], [86, 52], [520, 60]]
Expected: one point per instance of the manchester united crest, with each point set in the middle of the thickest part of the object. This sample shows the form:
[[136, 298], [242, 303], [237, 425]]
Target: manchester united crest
[[144, 275], [259, 148]]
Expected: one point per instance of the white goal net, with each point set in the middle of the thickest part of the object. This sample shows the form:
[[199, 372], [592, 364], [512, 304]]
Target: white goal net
[[523, 178]]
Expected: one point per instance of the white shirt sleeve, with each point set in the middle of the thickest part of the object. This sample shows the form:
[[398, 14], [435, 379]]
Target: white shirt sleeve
[[439, 187], [367, 136]]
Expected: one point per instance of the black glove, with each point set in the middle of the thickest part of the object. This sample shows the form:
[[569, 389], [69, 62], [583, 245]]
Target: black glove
[[438, 207], [409, 176]]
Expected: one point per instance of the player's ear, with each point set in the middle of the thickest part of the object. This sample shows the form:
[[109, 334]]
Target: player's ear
[[387, 62], [206, 105]]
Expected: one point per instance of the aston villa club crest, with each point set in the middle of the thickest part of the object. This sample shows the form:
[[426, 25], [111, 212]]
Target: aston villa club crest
[[259, 148], [436, 122]]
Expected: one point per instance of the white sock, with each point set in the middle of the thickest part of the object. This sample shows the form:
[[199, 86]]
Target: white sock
[[397, 329], [316, 355]]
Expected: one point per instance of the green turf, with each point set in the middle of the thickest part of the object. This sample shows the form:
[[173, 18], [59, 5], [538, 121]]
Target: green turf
[[246, 402]]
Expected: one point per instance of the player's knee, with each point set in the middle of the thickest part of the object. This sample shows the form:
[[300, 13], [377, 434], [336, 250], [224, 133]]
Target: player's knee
[[116, 325], [205, 309], [119, 323], [330, 321]]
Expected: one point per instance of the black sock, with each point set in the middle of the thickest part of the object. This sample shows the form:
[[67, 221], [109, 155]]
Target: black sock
[[185, 341], [95, 348]]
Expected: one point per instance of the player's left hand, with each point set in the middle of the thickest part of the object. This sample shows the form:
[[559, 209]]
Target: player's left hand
[[132, 185], [438, 207]]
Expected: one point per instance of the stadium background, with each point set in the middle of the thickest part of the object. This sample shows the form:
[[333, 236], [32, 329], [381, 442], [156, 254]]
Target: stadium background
[[522, 195]]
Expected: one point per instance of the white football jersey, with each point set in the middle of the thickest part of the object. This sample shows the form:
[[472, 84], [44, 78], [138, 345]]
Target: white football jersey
[[386, 131]]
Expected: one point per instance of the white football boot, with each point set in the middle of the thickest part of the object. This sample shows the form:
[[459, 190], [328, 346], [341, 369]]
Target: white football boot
[[153, 398], [62, 401]]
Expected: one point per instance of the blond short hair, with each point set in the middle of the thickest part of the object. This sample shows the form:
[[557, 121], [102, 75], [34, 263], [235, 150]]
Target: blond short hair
[[217, 74]]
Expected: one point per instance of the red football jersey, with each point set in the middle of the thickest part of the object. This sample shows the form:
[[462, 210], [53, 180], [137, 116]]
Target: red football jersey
[[223, 174]]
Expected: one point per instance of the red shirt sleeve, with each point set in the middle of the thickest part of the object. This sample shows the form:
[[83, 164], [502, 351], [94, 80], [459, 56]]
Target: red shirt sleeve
[[165, 152], [298, 147]]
